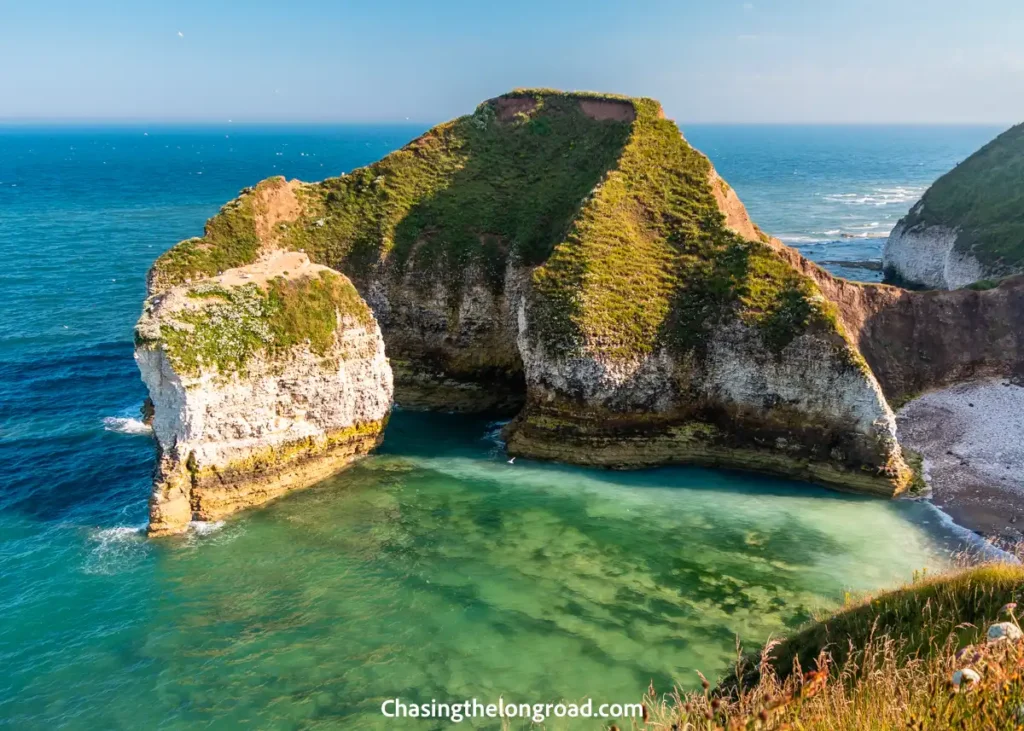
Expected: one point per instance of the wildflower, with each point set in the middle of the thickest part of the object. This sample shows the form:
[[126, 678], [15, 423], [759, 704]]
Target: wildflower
[[1004, 631], [1008, 608], [963, 651], [967, 675]]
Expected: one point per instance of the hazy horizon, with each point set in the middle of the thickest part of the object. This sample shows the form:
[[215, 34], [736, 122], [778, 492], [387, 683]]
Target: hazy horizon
[[314, 62]]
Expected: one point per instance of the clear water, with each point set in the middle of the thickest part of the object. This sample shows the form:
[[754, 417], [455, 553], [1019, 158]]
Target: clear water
[[432, 570]]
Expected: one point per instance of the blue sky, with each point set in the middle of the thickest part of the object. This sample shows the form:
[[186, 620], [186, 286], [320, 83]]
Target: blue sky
[[315, 60]]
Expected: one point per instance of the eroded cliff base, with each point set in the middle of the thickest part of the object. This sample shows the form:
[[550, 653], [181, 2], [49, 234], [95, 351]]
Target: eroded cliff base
[[182, 495], [633, 442]]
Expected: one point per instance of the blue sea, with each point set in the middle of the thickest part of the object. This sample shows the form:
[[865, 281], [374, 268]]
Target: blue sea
[[432, 570]]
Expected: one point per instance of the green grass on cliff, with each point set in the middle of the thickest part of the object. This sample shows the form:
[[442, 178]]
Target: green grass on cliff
[[230, 240], [649, 259], [469, 192], [983, 197], [232, 325], [600, 191], [884, 662], [923, 615]]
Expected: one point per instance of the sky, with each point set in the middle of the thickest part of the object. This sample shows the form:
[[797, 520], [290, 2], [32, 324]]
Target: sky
[[737, 61]]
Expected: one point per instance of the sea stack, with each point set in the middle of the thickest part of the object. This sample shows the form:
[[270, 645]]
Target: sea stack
[[969, 226], [569, 258], [265, 378]]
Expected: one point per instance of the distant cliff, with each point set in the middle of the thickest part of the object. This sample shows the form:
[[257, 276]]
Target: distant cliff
[[969, 226]]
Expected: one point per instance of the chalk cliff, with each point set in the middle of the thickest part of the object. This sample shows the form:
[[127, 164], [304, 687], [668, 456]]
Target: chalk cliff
[[968, 226], [264, 378], [571, 258]]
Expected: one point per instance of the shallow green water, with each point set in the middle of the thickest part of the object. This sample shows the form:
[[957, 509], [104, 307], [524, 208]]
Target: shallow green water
[[436, 570]]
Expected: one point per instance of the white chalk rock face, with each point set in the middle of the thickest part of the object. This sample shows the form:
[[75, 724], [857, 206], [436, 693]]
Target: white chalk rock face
[[927, 256], [812, 411], [266, 378]]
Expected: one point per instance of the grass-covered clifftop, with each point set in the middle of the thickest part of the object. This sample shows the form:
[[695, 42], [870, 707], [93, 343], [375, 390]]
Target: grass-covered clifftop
[[600, 191], [217, 327], [983, 199], [917, 657]]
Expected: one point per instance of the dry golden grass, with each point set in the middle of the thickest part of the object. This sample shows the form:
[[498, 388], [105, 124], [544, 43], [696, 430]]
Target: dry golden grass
[[886, 662]]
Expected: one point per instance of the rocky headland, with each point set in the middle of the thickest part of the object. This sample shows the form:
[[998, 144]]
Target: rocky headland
[[571, 260], [969, 225]]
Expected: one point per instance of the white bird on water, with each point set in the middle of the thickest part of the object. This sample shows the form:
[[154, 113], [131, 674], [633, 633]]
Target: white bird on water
[[512, 461]]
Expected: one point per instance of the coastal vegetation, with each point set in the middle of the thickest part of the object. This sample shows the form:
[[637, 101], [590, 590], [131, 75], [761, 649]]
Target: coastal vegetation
[[943, 652], [610, 201], [565, 255], [968, 228], [227, 326], [983, 199]]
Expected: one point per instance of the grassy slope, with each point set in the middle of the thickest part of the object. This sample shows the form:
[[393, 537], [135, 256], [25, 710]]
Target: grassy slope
[[984, 197], [635, 253], [230, 240], [886, 662], [922, 615], [649, 260]]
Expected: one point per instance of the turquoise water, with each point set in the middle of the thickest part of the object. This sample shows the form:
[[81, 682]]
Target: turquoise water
[[432, 570]]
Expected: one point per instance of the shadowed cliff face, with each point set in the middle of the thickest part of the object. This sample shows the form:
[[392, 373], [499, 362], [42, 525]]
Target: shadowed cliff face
[[916, 341]]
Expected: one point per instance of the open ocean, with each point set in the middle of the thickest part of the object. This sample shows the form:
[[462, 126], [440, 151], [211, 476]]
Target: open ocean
[[431, 570]]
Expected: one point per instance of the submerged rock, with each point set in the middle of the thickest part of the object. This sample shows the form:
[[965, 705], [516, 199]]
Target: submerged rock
[[969, 226], [265, 378]]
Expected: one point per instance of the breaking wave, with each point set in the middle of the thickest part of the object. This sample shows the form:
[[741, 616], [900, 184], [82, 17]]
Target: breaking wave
[[877, 197], [126, 425], [116, 549]]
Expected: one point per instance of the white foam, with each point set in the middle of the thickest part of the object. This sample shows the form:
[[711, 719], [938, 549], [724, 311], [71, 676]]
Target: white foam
[[877, 196], [802, 239], [205, 527], [126, 425], [116, 549]]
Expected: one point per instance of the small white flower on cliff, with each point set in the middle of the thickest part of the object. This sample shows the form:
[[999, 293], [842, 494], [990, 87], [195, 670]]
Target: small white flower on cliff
[[967, 675], [1004, 631]]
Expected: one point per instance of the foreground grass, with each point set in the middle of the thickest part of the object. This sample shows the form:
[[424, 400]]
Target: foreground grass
[[885, 662]]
